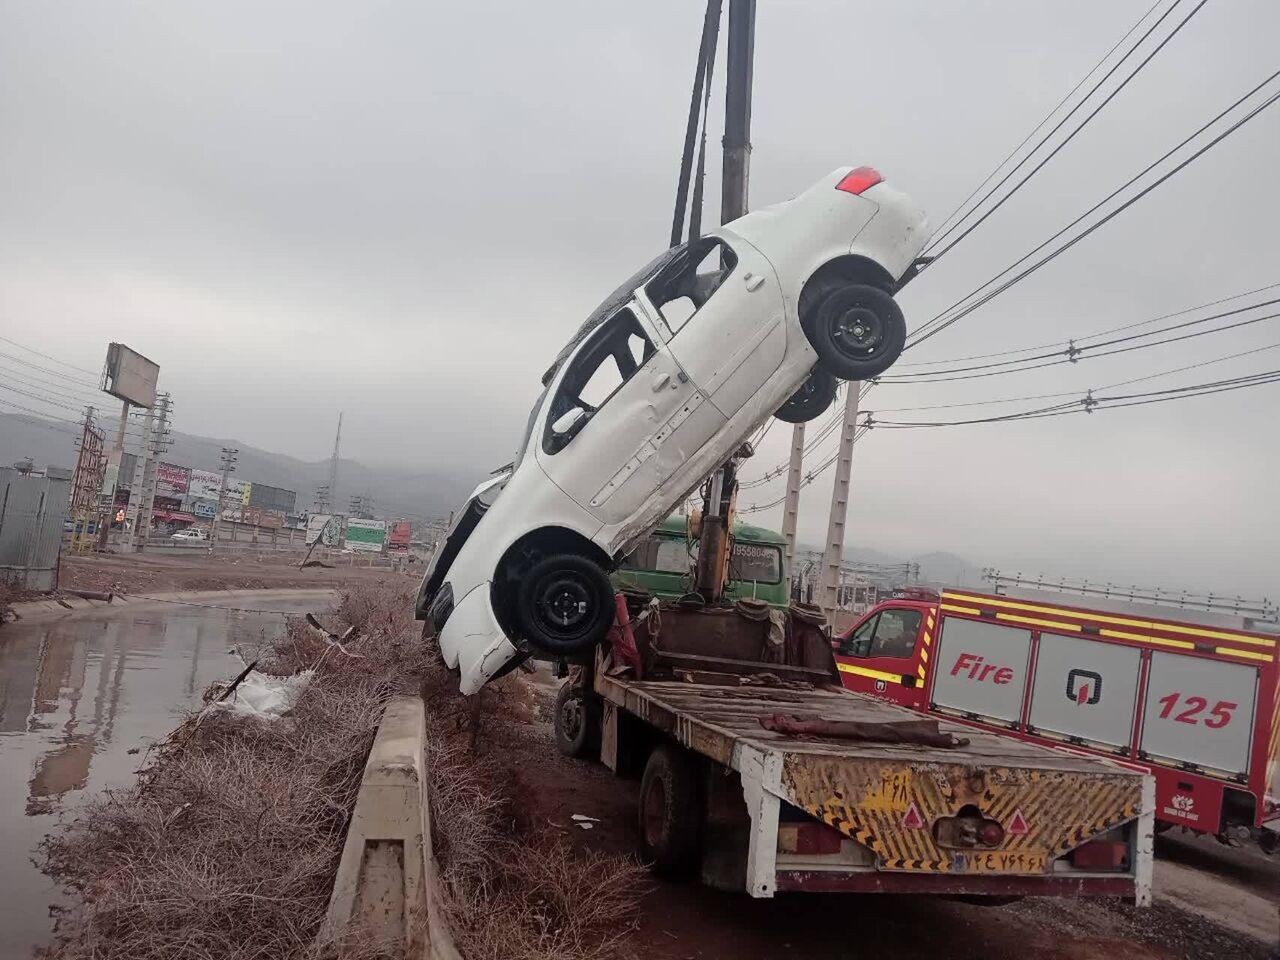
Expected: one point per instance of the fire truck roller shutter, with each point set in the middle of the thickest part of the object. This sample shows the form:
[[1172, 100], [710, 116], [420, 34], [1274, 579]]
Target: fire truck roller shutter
[[1086, 689], [1200, 711], [982, 669]]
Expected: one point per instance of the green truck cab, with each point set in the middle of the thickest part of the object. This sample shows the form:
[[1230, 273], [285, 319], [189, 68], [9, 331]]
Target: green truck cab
[[662, 564]]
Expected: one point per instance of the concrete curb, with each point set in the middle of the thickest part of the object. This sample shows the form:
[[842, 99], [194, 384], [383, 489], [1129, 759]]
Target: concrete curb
[[387, 881]]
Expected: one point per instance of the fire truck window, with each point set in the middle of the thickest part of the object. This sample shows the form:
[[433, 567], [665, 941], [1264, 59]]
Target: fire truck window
[[858, 642], [895, 634]]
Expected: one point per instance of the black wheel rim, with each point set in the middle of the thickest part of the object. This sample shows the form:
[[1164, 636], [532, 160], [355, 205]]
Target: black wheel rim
[[856, 331], [563, 606]]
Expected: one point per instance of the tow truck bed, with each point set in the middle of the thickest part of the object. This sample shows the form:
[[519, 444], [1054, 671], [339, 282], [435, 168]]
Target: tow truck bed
[[890, 803]]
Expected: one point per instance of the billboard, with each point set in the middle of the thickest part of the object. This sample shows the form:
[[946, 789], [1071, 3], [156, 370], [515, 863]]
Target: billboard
[[401, 534], [203, 484], [366, 535], [130, 376], [324, 528], [204, 509], [172, 480]]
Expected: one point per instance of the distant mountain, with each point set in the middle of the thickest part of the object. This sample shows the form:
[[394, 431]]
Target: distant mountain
[[397, 492]]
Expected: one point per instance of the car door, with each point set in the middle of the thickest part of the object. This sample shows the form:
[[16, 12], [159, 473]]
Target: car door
[[723, 310], [879, 656], [618, 419]]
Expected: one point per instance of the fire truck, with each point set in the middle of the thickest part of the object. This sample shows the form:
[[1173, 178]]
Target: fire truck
[[1196, 705]]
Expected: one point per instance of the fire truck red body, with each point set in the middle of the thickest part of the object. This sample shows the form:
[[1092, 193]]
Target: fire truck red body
[[1197, 705]]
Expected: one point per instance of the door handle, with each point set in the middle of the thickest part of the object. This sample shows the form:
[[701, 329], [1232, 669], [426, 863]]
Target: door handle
[[753, 282], [660, 381]]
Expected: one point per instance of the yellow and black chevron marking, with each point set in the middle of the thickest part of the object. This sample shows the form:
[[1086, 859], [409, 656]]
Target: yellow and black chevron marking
[[868, 800], [927, 641]]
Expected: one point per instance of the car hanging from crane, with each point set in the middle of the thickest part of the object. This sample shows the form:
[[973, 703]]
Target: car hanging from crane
[[665, 380]]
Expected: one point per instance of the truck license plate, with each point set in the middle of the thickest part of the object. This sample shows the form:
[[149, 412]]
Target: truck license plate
[[1000, 861]]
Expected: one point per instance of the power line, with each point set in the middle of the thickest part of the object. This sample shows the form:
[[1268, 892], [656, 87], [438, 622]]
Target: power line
[[1073, 393], [938, 234], [23, 346], [1089, 403], [56, 373], [1091, 336], [1073, 353], [1071, 136], [934, 327]]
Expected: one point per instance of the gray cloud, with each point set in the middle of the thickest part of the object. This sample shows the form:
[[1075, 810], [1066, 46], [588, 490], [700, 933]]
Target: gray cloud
[[401, 210]]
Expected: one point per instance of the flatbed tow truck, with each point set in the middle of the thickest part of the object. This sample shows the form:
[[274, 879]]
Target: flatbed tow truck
[[762, 773]]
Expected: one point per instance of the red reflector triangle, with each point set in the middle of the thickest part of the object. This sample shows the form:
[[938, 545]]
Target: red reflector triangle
[[1018, 823], [912, 819]]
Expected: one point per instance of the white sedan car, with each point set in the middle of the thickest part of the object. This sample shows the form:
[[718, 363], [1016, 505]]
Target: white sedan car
[[657, 389]]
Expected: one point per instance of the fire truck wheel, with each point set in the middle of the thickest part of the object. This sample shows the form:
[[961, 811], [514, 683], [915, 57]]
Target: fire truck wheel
[[670, 810], [577, 722], [565, 605], [858, 331], [813, 397]]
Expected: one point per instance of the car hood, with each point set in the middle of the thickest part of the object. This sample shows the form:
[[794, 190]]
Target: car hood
[[465, 520]]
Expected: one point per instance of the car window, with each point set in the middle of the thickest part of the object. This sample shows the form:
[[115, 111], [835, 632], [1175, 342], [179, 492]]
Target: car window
[[858, 642], [672, 556], [895, 634], [755, 561], [609, 358], [685, 284]]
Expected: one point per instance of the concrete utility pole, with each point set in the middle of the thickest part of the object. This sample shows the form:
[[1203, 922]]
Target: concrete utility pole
[[791, 511], [735, 174], [833, 551], [143, 490], [228, 464], [331, 498]]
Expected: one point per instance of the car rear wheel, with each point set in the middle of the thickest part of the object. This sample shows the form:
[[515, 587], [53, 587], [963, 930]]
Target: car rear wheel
[[858, 331], [564, 606], [670, 810], [813, 397], [577, 722]]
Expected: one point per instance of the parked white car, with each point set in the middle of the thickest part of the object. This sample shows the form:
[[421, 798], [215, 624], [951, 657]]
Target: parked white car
[[189, 535], [658, 388]]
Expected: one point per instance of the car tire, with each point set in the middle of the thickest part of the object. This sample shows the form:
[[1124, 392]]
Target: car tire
[[670, 810], [577, 722], [564, 605], [810, 400], [857, 330]]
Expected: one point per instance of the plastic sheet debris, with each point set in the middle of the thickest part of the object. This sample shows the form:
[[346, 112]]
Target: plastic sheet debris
[[264, 696]]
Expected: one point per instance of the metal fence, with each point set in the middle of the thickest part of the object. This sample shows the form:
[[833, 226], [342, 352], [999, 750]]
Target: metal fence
[[32, 513]]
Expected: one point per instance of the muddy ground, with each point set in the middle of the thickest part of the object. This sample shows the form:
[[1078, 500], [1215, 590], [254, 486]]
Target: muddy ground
[[141, 573], [1212, 902]]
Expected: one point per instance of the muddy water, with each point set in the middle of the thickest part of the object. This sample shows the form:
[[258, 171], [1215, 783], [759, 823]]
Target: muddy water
[[78, 694]]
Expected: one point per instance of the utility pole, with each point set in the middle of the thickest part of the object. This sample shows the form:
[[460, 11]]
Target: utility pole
[[717, 514], [228, 459], [833, 551], [86, 484], [111, 479], [791, 512], [331, 491]]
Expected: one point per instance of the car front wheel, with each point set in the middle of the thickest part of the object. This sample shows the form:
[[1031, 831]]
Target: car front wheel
[[814, 396], [565, 605], [857, 330]]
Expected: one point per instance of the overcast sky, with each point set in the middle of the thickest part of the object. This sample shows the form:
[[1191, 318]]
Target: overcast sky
[[402, 209]]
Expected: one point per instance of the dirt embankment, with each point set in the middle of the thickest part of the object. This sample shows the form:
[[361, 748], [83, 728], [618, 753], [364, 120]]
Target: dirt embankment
[[228, 844]]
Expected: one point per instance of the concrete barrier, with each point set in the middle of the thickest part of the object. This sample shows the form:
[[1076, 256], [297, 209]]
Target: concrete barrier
[[387, 881]]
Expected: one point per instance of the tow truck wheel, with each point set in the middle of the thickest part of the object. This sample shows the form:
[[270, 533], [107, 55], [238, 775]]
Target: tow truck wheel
[[858, 331], [813, 397], [565, 605], [577, 722], [670, 810]]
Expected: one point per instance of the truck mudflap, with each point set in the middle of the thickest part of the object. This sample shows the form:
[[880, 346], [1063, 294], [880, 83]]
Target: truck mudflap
[[932, 817]]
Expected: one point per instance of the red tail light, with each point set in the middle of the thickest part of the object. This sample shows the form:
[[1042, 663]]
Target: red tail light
[[990, 833], [860, 179]]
